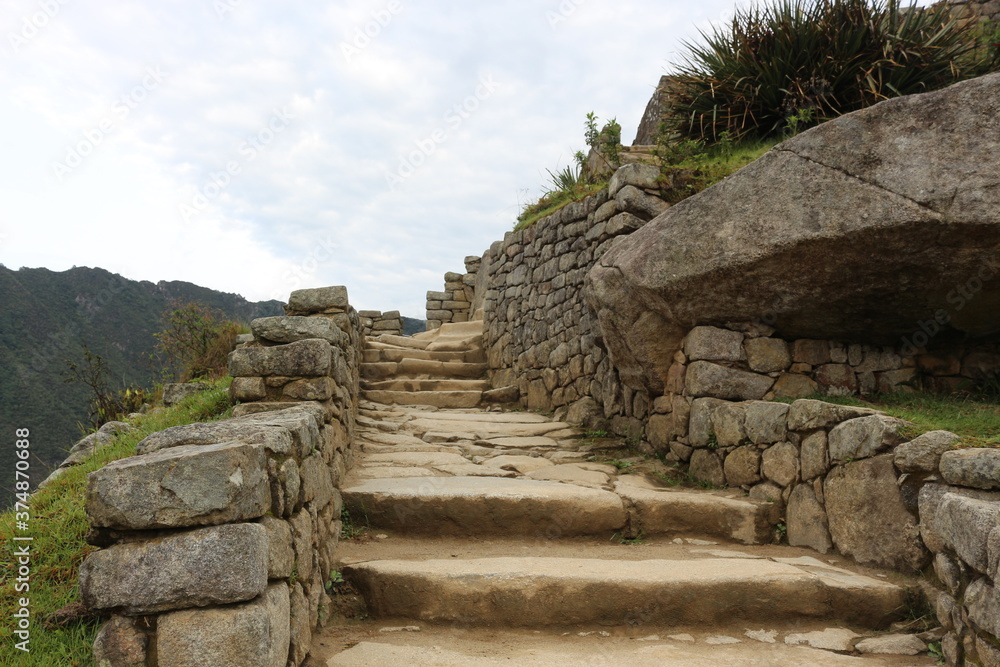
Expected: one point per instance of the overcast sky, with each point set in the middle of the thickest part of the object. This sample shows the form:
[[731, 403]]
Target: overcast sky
[[259, 147]]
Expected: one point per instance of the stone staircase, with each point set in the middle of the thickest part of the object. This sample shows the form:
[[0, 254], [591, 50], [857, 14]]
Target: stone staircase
[[443, 368], [509, 538]]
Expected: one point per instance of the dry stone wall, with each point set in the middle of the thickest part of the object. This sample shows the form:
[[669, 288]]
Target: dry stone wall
[[218, 539], [376, 323], [456, 302]]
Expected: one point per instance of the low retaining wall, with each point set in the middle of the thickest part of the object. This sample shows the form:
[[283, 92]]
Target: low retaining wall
[[376, 323], [218, 539], [457, 302]]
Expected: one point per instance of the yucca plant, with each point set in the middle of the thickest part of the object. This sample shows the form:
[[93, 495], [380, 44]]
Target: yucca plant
[[795, 63]]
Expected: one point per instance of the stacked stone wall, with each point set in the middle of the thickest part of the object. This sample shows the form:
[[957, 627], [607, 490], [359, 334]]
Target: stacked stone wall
[[218, 539], [456, 302], [376, 323]]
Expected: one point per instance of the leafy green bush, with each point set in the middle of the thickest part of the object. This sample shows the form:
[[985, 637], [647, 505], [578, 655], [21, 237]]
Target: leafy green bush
[[196, 341], [781, 67]]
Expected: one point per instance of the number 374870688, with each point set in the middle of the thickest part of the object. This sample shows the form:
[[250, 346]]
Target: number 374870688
[[22, 477]]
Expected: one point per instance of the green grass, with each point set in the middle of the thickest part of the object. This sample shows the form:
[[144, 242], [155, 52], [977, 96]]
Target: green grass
[[553, 201], [975, 419], [58, 524], [690, 167]]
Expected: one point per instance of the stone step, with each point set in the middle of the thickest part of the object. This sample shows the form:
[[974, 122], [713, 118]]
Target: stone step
[[381, 643], [452, 331], [486, 506], [421, 368], [403, 341], [438, 399], [397, 354], [659, 511], [543, 592], [407, 384]]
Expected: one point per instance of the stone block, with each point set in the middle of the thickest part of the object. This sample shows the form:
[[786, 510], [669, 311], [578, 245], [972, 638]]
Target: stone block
[[978, 468], [318, 300], [780, 463], [248, 389], [767, 355], [728, 422], [290, 329], [121, 642], [839, 376], [714, 344], [794, 385], [923, 453], [309, 389], [813, 352], [742, 466], [631, 199], [700, 429], [808, 414], [305, 358], [175, 392], [180, 486], [806, 520], [929, 501], [205, 566], [707, 379], [868, 518], [814, 460], [965, 524], [281, 555], [706, 466], [766, 422], [864, 436], [636, 174], [255, 634], [982, 599]]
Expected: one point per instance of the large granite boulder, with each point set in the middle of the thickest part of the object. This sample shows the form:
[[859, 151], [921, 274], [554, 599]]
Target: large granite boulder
[[881, 226]]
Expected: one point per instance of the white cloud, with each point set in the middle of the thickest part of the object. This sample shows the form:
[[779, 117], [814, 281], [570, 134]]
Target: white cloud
[[309, 205]]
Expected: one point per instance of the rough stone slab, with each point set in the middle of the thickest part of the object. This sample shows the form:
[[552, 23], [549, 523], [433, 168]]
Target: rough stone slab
[[807, 414], [439, 399], [831, 639], [929, 501], [891, 645], [704, 378], [521, 464], [496, 418], [473, 470], [983, 602], [416, 459], [923, 453], [807, 522], [766, 422], [305, 358], [974, 467], [486, 506], [667, 511], [205, 566], [255, 634], [523, 442], [713, 344], [380, 472], [175, 392], [863, 436], [289, 329], [180, 486], [568, 472], [121, 642], [869, 520], [540, 592], [318, 299], [532, 652], [486, 430], [288, 431], [965, 525], [406, 384]]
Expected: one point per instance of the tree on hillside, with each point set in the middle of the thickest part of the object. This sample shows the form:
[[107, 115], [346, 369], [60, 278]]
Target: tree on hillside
[[195, 341]]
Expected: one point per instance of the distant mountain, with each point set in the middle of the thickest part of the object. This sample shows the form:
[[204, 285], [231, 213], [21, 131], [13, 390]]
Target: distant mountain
[[412, 326], [45, 317]]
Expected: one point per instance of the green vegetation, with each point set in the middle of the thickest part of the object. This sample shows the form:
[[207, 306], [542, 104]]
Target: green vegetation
[[779, 68], [976, 419], [196, 340], [62, 631], [47, 318]]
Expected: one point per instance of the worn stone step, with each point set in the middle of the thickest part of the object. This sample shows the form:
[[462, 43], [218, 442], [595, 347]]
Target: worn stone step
[[381, 643], [484, 428], [397, 354], [403, 341], [486, 506], [658, 511], [545, 591], [407, 384], [438, 399], [421, 368]]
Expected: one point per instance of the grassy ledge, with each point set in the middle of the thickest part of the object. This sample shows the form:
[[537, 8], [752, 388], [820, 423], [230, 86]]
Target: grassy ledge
[[62, 633]]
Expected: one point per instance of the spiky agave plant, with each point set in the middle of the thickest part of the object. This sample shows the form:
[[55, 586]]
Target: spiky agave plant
[[815, 60]]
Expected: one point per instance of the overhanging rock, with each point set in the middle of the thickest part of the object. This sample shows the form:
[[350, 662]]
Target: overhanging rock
[[860, 229]]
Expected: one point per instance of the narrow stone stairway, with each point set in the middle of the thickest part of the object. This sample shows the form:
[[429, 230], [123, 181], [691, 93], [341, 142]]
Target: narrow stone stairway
[[483, 537]]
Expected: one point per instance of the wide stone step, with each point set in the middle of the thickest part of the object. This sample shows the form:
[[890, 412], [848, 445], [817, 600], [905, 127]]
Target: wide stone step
[[397, 354], [659, 511], [421, 368], [374, 643], [546, 591], [486, 506], [406, 384], [438, 399], [403, 341]]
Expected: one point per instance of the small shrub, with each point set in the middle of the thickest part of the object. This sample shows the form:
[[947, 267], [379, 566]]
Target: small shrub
[[106, 404], [196, 341], [782, 67]]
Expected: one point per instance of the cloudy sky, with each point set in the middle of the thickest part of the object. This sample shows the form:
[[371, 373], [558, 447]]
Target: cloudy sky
[[258, 147]]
